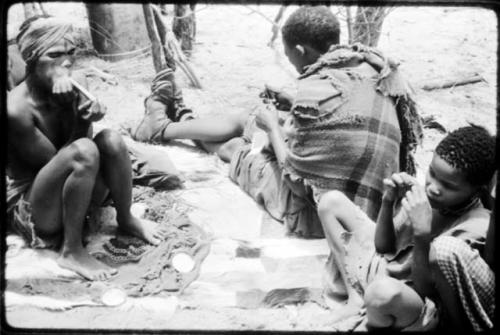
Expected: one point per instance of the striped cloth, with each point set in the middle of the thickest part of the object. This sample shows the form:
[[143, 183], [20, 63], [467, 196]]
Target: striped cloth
[[470, 277], [348, 120], [39, 36]]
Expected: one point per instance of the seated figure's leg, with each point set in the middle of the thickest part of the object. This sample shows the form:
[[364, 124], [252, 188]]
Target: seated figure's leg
[[391, 303], [116, 172], [213, 129], [465, 284], [338, 214], [69, 179]]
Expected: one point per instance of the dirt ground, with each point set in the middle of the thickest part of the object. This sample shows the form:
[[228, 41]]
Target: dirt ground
[[233, 62]]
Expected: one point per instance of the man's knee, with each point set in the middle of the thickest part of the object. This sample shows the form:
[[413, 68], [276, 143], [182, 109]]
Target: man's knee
[[110, 142], [382, 294], [84, 154], [330, 202]]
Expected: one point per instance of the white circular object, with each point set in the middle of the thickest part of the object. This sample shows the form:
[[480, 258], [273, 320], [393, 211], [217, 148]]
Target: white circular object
[[113, 297], [182, 262]]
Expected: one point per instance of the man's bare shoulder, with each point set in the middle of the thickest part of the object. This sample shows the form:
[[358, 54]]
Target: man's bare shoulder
[[18, 108]]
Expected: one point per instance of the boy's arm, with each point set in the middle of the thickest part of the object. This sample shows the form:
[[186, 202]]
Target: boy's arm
[[268, 120], [419, 213], [385, 236]]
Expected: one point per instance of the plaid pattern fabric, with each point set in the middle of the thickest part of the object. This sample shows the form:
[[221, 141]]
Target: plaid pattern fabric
[[470, 277], [354, 124], [345, 136]]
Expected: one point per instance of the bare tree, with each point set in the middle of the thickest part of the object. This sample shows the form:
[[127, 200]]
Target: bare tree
[[156, 45], [184, 27], [367, 24]]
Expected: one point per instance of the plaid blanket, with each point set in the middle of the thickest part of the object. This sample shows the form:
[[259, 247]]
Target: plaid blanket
[[470, 277], [354, 124]]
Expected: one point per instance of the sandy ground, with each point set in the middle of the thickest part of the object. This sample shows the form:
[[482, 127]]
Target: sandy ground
[[233, 62]]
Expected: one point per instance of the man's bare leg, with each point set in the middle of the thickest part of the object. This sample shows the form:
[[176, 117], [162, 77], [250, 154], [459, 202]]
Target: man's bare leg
[[68, 179], [116, 171], [210, 129], [337, 214]]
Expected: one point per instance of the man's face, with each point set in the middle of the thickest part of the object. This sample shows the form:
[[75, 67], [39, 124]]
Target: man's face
[[56, 61]]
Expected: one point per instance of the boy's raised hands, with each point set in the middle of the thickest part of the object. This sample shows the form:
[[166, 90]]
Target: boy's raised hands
[[419, 211], [396, 186]]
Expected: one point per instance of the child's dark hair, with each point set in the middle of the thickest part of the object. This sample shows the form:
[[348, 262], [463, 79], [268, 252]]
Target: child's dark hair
[[471, 150], [315, 26]]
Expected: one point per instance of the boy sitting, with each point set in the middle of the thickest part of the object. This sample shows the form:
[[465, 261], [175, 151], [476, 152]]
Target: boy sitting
[[387, 266]]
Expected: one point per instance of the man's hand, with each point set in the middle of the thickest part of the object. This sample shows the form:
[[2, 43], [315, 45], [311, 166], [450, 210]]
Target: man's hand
[[267, 119], [281, 100], [91, 111], [396, 186], [63, 88], [419, 211]]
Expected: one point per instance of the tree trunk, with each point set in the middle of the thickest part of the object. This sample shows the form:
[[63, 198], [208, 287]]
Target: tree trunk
[[183, 27], [368, 25], [29, 10], [162, 32], [156, 47], [118, 30]]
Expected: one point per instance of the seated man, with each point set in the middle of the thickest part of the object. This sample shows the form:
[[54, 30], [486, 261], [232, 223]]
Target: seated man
[[55, 169], [387, 266]]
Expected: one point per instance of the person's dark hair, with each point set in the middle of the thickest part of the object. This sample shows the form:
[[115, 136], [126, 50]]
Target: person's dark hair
[[315, 26], [471, 150]]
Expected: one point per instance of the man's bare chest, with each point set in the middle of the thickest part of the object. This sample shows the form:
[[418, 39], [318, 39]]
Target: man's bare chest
[[54, 122]]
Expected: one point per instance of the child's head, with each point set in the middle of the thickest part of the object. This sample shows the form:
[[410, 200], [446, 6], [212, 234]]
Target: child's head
[[463, 163], [308, 33]]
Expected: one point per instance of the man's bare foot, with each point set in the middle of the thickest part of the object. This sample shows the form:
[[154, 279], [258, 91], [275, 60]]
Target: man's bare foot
[[147, 230], [85, 265]]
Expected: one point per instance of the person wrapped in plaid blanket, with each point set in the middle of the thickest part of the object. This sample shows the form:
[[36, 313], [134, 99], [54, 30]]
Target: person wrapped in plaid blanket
[[354, 120], [423, 251]]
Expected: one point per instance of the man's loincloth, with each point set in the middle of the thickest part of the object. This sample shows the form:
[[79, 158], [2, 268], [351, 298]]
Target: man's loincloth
[[19, 214]]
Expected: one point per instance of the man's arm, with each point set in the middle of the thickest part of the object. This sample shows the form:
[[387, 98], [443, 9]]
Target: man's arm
[[31, 145]]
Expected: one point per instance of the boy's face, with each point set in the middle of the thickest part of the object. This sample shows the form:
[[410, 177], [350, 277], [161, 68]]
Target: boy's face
[[445, 186], [56, 61]]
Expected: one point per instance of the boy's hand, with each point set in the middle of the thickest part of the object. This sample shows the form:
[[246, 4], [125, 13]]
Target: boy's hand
[[267, 119], [92, 111], [279, 99], [419, 211], [396, 186]]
